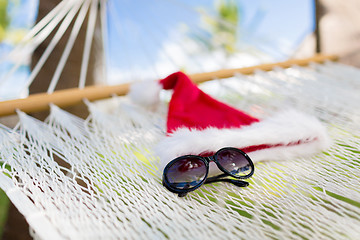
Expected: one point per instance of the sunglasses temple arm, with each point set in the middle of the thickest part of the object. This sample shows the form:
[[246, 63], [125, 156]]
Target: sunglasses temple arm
[[210, 179], [219, 178]]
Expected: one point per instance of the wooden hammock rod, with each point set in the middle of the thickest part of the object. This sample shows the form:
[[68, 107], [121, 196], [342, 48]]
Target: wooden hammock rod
[[69, 97]]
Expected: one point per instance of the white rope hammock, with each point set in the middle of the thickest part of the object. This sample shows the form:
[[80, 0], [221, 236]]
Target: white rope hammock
[[106, 184], [98, 178]]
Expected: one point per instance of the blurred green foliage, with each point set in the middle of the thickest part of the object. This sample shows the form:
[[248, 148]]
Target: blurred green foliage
[[4, 18], [6, 31], [4, 206], [221, 28]]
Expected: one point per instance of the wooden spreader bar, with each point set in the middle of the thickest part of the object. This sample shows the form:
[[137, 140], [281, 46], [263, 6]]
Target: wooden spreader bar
[[73, 96]]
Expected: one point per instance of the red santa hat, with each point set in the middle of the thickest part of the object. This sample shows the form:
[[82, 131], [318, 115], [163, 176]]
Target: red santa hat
[[199, 124]]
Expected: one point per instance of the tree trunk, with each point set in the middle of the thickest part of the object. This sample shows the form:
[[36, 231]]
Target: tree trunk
[[339, 28]]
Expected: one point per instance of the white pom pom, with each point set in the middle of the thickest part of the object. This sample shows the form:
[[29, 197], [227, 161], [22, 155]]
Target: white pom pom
[[145, 93]]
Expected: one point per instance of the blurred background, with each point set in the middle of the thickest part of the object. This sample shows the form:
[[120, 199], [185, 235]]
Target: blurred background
[[150, 39], [141, 40]]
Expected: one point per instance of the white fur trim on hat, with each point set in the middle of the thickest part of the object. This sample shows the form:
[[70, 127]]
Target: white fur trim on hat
[[297, 133], [145, 93]]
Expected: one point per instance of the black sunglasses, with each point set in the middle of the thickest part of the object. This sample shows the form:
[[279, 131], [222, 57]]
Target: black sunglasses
[[187, 173]]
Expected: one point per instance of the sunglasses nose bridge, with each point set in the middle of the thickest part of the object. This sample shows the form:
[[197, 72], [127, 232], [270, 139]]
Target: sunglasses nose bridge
[[210, 159]]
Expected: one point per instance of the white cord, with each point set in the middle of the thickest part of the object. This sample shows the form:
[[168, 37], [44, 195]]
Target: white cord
[[88, 42], [33, 43], [62, 29], [69, 45]]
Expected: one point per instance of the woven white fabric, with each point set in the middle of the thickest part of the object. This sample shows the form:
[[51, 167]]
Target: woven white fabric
[[98, 178]]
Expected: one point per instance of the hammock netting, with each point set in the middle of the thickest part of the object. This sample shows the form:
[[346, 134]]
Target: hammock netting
[[98, 178]]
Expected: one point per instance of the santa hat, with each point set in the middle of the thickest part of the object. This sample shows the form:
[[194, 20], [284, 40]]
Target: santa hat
[[199, 124]]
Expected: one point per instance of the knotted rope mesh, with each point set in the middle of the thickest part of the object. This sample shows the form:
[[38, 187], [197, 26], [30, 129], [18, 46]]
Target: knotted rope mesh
[[98, 178]]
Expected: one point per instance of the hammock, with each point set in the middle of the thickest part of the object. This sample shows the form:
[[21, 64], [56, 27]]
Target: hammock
[[98, 178]]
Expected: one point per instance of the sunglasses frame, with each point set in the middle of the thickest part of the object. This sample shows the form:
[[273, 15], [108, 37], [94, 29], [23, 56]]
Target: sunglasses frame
[[207, 161]]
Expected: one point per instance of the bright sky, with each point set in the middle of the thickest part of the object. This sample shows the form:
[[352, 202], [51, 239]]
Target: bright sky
[[144, 32], [23, 12]]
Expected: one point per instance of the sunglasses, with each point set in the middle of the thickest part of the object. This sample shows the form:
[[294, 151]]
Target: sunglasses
[[187, 173]]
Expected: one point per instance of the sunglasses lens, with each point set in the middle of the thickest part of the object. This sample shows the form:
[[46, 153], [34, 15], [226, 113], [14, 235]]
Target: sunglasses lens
[[186, 173], [234, 162]]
